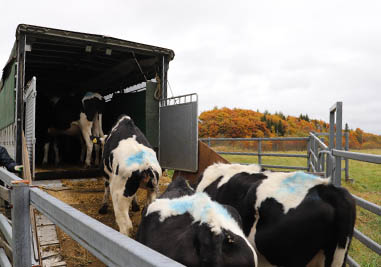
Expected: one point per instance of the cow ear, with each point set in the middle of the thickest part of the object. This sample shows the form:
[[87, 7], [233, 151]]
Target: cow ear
[[132, 184]]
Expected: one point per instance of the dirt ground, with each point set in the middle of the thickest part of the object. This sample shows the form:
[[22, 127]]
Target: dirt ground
[[87, 196]]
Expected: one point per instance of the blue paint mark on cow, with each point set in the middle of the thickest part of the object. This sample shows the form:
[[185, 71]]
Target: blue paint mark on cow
[[297, 181], [221, 210], [181, 206], [140, 157]]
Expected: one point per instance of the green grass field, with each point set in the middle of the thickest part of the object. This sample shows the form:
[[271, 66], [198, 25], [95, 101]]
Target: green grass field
[[366, 184]]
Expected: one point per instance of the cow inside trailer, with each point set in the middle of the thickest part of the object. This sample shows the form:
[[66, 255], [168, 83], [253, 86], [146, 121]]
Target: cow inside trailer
[[132, 77]]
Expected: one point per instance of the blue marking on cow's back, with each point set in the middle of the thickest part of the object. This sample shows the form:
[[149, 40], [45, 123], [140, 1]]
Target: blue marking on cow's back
[[181, 206], [297, 181], [139, 157], [222, 210]]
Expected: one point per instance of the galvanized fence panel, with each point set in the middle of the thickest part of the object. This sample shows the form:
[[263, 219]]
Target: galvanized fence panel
[[108, 245], [260, 154]]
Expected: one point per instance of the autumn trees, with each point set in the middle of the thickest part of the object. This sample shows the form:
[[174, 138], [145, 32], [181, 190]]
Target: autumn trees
[[244, 123]]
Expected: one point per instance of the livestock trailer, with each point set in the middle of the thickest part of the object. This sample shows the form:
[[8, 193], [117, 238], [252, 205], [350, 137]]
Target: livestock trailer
[[132, 77]]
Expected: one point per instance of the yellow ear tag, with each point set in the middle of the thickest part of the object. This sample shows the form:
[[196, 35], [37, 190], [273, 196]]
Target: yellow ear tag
[[94, 140]]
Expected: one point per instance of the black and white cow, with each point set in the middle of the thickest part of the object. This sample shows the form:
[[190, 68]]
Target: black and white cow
[[194, 230], [129, 162], [77, 116], [293, 219]]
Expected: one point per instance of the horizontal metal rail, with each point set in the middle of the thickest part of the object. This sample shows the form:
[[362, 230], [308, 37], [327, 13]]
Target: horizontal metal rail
[[284, 167], [262, 154], [108, 245], [8, 177], [258, 139], [352, 262], [357, 156], [368, 205], [367, 241]]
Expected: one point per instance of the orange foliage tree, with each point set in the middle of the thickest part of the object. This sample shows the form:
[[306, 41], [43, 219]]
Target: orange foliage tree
[[245, 123]]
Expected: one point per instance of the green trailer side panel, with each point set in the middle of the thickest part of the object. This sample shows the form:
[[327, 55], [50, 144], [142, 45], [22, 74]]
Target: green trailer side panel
[[8, 99]]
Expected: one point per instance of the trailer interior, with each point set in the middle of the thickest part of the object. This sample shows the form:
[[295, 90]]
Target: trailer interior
[[67, 63]]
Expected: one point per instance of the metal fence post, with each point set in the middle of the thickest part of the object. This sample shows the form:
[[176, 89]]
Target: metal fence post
[[22, 256], [346, 149], [208, 141], [259, 152], [309, 153], [331, 140], [339, 140]]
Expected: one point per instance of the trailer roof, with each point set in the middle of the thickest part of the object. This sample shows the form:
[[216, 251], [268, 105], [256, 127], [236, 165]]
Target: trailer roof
[[67, 61], [94, 38]]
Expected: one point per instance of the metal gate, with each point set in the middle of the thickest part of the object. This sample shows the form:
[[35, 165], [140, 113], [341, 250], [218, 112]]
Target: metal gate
[[178, 133], [30, 121]]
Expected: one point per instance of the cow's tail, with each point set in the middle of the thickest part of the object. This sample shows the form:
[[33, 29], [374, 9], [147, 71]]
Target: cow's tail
[[345, 216]]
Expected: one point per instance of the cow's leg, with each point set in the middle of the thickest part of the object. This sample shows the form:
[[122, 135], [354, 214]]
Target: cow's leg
[[46, 153], [121, 205], [106, 196], [56, 153], [97, 131], [86, 126], [83, 148]]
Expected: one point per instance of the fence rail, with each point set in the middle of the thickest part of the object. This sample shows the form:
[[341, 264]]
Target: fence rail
[[108, 245], [260, 154]]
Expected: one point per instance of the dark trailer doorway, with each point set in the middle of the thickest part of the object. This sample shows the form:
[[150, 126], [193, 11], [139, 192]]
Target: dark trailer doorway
[[132, 77]]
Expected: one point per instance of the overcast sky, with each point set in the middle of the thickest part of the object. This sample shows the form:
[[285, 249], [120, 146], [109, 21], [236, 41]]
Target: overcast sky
[[290, 56]]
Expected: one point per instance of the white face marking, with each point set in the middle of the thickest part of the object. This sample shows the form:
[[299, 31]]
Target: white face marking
[[227, 171], [289, 189], [203, 210]]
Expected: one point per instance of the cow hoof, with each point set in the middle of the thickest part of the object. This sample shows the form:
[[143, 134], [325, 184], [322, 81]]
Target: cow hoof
[[103, 210]]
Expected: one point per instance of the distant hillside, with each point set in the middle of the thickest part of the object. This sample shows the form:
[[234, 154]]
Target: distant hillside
[[245, 123]]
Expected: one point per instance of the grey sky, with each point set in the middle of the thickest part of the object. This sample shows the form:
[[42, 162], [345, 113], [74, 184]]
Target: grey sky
[[290, 56]]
